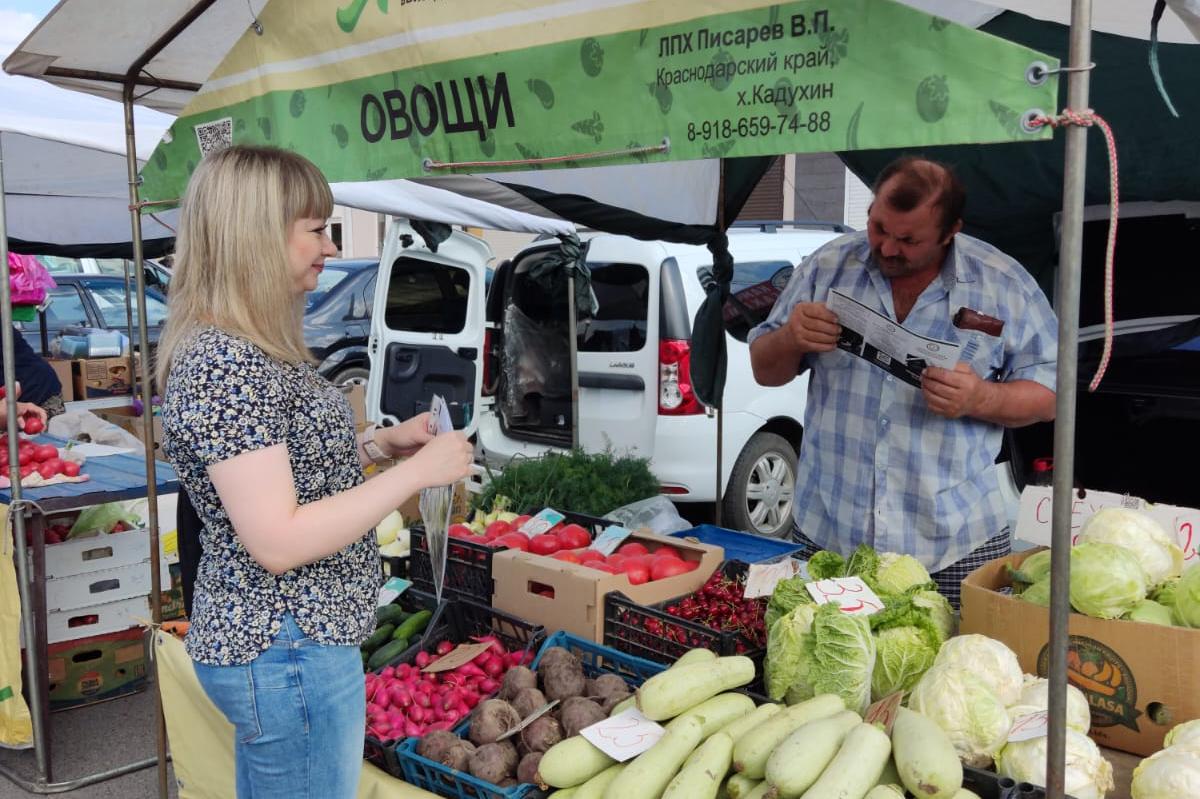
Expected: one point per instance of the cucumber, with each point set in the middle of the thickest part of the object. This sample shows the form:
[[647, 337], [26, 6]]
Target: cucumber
[[739, 727], [856, 767], [963, 793], [925, 757], [669, 693], [413, 625], [797, 762], [389, 651], [739, 786], [596, 786], [700, 777], [751, 751], [624, 704], [885, 790], [390, 614], [717, 712], [379, 637], [647, 775], [694, 656], [572, 761]]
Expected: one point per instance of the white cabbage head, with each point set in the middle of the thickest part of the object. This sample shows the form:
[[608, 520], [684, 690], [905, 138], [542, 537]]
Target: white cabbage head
[[1156, 551], [966, 708], [989, 660], [1088, 774], [1036, 694], [1170, 774]]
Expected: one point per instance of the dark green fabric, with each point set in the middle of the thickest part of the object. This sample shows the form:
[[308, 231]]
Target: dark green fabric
[[557, 266], [709, 357], [1015, 190]]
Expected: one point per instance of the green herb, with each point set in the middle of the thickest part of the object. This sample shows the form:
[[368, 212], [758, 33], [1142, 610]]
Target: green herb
[[593, 484]]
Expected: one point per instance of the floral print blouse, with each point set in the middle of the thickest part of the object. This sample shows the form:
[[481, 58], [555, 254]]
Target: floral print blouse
[[224, 397]]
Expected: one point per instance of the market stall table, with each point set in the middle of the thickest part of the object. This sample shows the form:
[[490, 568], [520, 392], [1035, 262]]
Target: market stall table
[[111, 478]]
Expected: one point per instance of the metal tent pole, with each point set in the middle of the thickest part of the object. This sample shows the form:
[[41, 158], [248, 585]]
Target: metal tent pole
[[718, 494], [1066, 301], [572, 336], [135, 218]]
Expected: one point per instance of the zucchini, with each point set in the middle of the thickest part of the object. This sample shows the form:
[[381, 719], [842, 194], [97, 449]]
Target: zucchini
[[379, 637], [739, 786], [596, 786], [563, 793], [694, 656], [761, 791], [717, 712], [751, 751], [572, 761], [413, 625], [890, 776], [797, 762], [885, 790], [739, 727], [669, 693], [856, 767], [624, 704], [647, 775], [963, 793], [388, 652], [701, 776], [925, 757], [390, 614]]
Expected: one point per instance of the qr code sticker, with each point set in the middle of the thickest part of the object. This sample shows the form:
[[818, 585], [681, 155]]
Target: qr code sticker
[[215, 135]]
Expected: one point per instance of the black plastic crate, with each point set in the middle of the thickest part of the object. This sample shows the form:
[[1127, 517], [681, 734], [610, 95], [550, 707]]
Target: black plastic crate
[[468, 564], [990, 785], [394, 565], [458, 622]]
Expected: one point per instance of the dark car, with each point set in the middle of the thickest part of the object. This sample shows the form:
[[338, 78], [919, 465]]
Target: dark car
[[337, 319], [97, 301]]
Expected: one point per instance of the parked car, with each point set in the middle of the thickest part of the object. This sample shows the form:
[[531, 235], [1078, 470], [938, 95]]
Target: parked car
[[96, 301], [504, 365], [337, 319], [157, 274]]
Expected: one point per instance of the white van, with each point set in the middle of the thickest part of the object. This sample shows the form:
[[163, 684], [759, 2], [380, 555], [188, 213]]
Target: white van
[[503, 362]]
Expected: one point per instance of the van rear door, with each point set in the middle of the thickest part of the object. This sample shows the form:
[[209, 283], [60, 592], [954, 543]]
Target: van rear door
[[427, 327]]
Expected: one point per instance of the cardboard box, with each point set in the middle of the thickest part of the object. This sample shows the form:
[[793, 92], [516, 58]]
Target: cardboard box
[[577, 601], [172, 596], [127, 420], [62, 368], [98, 668], [357, 397], [1140, 679], [111, 617], [102, 377]]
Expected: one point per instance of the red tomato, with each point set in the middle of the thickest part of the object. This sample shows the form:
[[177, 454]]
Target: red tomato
[[55, 464], [460, 531], [513, 541], [70, 468], [44, 452], [517, 522], [5, 470], [692, 565], [632, 548], [545, 544], [668, 550], [666, 566], [25, 456], [572, 536], [119, 527], [636, 572], [616, 561], [3, 439], [587, 555], [566, 554], [47, 470], [496, 529], [33, 425], [601, 566], [27, 470]]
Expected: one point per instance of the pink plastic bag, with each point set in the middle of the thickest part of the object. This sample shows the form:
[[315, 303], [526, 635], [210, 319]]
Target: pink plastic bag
[[29, 279]]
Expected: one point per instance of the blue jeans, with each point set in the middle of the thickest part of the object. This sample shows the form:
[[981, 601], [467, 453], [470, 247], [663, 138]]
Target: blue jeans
[[298, 712]]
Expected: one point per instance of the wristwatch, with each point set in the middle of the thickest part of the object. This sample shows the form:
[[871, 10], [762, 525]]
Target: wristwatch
[[370, 447]]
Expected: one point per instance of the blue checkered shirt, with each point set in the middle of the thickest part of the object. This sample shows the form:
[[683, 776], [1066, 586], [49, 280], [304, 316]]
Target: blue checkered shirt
[[876, 465]]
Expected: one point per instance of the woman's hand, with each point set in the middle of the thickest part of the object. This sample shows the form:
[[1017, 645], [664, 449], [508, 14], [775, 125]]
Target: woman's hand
[[406, 438], [444, 460]]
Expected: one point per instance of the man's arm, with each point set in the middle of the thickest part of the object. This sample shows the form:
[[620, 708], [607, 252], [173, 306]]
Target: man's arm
[[776, 357], [960, 392]]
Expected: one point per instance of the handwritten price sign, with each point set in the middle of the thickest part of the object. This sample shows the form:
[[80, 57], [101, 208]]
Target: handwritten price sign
[[1030, 726], [851, 594], [625, 735], [546, 519]]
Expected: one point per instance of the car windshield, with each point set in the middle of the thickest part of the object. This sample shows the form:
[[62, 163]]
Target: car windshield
[[110, 300], [330, 276]]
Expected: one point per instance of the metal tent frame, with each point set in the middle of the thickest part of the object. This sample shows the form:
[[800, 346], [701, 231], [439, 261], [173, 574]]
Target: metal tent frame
[[1067, 302]]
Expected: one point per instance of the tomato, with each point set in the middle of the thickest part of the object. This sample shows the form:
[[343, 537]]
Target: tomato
[[636, 572], [120, 527], [692, 565], [668, 550], [70, 468], [27, 470], [601, 566], [632, 548], [616, 561], [5, 470], [4, 441], [496, 529], [34, 425], [545, 544], [47, 470], [566, 555], [54, 464], [517, 522], [587, 555], [572, 536], [513, 541], [44, 452], [666, 566], [25, 456], [460, 531]]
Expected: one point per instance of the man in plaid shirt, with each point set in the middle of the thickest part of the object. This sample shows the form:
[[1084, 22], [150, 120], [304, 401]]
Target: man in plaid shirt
[[902, 468]]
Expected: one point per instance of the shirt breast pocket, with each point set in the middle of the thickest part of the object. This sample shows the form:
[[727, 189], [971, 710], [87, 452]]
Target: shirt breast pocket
[[985, 354]]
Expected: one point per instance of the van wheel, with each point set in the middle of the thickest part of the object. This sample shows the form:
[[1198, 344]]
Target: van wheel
[[762, 487], [354, 376]]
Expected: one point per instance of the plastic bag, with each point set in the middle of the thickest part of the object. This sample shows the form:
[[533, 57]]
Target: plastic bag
[[29, 279], [656, 514], [16, 728], [85, 426], [537, 358], [103, 518]]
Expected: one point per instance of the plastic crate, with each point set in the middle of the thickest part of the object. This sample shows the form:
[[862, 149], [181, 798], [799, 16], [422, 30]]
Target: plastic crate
[[990, 785], [448, 782], [468, 564], [457, 622], [394, 565], [743, 547]]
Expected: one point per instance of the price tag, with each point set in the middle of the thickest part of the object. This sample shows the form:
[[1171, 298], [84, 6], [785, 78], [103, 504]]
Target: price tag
[[608, 541], [546, 518], [850, 593], [625, 735], [762, 578], [394, 587], [463, 653], [1030, 726], [884, 711], [534, 716]]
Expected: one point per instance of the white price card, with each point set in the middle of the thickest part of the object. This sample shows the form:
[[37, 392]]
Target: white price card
[[542, 523], [394, 587], [608, 541], [850, 593], [625, 735], [1030, 726], [762, 578]]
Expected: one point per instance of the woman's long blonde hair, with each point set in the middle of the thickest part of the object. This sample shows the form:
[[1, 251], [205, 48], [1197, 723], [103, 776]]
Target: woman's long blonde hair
[[231, 253]]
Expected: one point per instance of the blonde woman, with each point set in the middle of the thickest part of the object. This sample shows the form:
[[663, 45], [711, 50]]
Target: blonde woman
[[266, 449]]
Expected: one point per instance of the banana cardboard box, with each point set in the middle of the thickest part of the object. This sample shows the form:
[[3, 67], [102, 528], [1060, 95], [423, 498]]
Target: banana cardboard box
[[1140, 679]]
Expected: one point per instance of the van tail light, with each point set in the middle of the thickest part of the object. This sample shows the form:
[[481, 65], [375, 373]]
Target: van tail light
[[488, 389], [675, 395]]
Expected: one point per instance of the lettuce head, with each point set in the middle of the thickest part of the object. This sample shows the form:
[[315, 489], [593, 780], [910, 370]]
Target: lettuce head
[[1156, 551], [787, 662], [825, 565], [1087, 775], [939, 610], [841, 655], [1035, 695], [989, 660], [1150, 612], [1187, 598], [966, 709], [897, 574], [1106, 580], [788, 594], [1186, 733]]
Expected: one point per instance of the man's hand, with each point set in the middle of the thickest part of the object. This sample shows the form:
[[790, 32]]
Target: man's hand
[[814, 328], [953, 393]]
